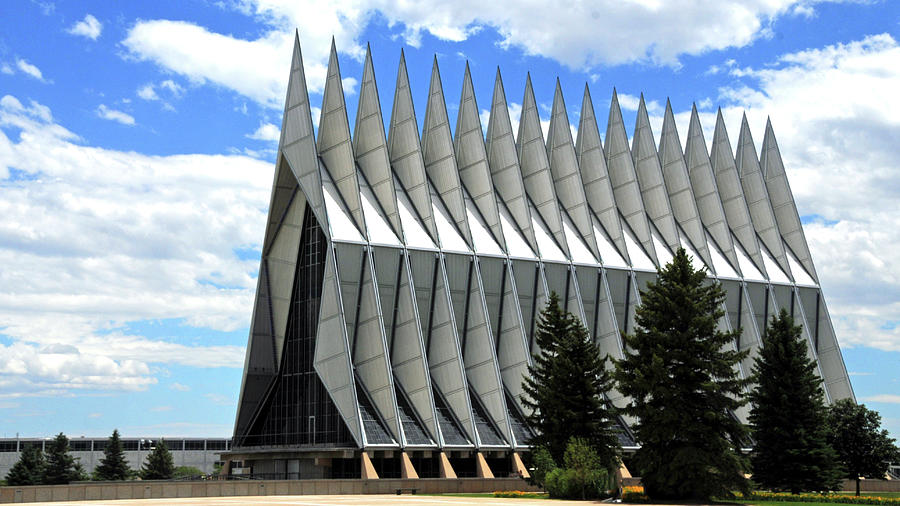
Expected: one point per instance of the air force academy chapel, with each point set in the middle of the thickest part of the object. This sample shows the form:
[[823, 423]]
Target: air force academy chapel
[[401, 275]]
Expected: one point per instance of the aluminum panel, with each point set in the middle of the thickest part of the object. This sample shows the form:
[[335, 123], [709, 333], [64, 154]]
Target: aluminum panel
[[650, 177], [731, 194], [535, 167], [761, 213], [333, 144], [281, 266], [623, 179], [332, 360], [405, 152], [595, 176], [439, 156], [678, 186], [503, 160], [782, 199], [471, 158], [370, 146], [297, 143], [566, 178]]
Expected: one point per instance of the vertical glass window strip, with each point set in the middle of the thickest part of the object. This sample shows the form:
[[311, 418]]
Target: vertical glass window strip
[[412, 427], [297, 410], [450, 429], [486, 430]]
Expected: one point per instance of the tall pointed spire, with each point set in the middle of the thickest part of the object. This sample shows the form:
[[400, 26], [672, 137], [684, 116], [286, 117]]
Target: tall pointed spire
[[334, 141], [406, 153], [440, 159], [370, 146], [471, 156], [761, 212], [536, 167], [504, 164], [650, 177], [595, 175], [678, 185], [564, 169], [782, 198], [731, 194], [706, 192], [624, 179], [297, 143]]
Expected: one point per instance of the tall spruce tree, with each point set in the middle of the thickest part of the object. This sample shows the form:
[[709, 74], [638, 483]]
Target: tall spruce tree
[[61, 466], [863, 447], [159, 465], [680, 372], [788, 415], [566, 388], [29, 469], [113, 466]]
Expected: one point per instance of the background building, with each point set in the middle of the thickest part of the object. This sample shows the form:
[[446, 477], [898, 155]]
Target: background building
[[401, 274], [195, 452]]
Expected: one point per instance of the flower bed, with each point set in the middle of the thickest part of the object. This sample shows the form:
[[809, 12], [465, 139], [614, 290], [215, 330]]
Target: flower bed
[[518, 494], [634, 494], [832, 498]]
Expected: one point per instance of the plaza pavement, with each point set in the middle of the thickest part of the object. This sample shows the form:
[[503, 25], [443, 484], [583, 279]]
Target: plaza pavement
[[325, 500]]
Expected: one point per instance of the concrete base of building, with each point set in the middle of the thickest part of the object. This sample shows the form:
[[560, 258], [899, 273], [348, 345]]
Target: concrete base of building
[[519, 467], [482, 469], [407, 470], [230, 488]]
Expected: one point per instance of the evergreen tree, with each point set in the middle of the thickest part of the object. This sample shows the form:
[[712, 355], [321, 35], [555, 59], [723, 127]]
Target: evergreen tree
[[566, 388], [61, 467], [863, 448], [159, 465], [113, 466], [788, 415], [29, 470], [680, 372]]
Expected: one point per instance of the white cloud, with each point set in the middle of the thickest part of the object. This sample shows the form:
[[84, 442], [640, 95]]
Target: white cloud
[[30, 69], [160, 409], [179, 387], [592, 34], [219, 399], [6, 69], [147, 92], [885, 398], [100, 238], [114, 115], [266, 132], [88, 27], [349, 85], [174, 88]]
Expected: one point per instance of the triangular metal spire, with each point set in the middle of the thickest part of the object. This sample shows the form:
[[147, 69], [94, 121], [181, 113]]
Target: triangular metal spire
[[786, 215], [439, 156], [406, 154], [595, 175], [471, 157], [623, 178], [650, 177], [370, 146], [564, 169], [504, 164], [370, 352], [297, 143], [678, 185], [334, 145], [757, 196], [706, 192], [731, 194], [536, 168]]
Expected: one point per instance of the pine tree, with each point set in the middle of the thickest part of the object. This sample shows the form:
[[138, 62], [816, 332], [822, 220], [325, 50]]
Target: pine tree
[[788, 415], [680, 372], [159, 465], [566, 388], [113, 466], [61, 467], [863, 447], [29, 470]]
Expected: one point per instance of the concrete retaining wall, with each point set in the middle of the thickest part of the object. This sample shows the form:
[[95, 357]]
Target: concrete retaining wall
[[168, 489], [873, 486]]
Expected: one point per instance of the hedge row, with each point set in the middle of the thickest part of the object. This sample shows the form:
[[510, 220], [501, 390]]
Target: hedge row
[[832, 498]]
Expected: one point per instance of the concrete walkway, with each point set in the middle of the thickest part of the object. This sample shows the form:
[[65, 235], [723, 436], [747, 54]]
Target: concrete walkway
[[327, 500]]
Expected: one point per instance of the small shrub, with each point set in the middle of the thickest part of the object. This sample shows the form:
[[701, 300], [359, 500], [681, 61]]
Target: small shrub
[[543, 464]]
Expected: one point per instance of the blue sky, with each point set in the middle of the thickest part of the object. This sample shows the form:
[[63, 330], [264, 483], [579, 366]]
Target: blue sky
[[137, 143]]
